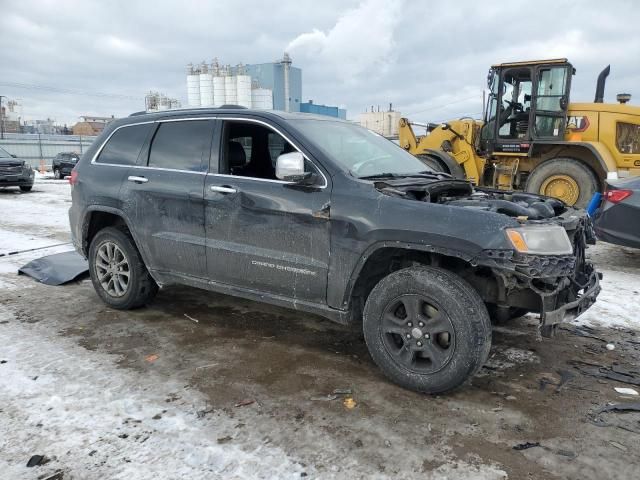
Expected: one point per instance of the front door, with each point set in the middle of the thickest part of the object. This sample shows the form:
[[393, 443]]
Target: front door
[[163, 196], [262, 233], [550, 102]]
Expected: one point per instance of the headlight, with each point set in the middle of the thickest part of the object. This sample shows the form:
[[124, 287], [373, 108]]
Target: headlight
[[540, 240]]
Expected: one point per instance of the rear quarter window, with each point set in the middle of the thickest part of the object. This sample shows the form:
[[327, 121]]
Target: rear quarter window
[[628, 138], [123, 147]]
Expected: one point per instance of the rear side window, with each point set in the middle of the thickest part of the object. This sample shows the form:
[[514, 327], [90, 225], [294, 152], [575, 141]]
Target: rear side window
[[181, 145], [124, 145], [628, 138]]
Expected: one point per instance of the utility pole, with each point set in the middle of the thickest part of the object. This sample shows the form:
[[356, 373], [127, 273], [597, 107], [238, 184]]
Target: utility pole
[[1, 118]]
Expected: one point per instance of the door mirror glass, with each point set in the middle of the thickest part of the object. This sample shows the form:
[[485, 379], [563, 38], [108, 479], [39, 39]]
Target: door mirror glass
[[290, 167]]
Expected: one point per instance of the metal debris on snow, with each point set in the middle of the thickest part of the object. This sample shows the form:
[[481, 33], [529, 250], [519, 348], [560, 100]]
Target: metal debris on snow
[[192, 319], [244, 403], [324, 398]]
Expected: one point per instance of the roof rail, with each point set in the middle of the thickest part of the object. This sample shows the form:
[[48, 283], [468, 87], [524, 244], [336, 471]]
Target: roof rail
[[227, 106]]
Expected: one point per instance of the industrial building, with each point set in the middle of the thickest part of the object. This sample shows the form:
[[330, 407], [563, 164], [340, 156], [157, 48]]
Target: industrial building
[[264, 86], [310, 107], [91, 126], [10, 115], [156, 102], [384, 123]]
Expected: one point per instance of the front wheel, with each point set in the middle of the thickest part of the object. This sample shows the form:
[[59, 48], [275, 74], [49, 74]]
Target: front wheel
[[117, 271], [567, 179], [427, 329], [56, 174], [26, 188]]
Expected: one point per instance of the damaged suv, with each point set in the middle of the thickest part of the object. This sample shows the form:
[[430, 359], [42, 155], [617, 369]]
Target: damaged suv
[[324, 216]]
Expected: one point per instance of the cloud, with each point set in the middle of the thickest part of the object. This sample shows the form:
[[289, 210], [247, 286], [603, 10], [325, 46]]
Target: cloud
[[360, 44], [430, 59]]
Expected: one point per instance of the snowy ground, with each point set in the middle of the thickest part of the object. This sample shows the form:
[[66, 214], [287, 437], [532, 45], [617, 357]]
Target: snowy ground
[[152, 393]]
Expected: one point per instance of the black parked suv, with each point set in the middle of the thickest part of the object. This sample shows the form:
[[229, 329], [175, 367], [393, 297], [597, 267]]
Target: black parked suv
[[15, 172], [63, 163], [324, 216]]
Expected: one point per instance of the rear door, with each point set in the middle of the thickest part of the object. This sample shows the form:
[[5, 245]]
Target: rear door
[[163, 196]]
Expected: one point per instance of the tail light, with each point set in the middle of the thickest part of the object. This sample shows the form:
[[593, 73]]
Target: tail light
[[616, 196], [73, 179]]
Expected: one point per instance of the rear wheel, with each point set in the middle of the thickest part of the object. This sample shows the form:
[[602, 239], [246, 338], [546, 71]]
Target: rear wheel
[[568, 179], [427, 329], [117, 271]]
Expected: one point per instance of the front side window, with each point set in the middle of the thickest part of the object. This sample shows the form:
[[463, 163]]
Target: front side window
[[628, 138], [124, 145], [361, 152], [181, 145], [251, 150]]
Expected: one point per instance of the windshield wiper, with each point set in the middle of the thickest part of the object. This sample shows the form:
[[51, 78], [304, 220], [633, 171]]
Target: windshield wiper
[[382, 175], [424, 173]]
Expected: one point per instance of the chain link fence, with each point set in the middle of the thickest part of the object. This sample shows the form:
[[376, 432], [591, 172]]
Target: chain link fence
[[35, 147]]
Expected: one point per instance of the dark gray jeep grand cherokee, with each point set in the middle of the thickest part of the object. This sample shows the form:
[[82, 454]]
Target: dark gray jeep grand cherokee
[[323, 216]]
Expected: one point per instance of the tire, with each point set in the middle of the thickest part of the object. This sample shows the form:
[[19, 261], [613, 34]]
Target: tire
[[579, 173], [56, 174], [140, 287], [26, 188], [449, 309]]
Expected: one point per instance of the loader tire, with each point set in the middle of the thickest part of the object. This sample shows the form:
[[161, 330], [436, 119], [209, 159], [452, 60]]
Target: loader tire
[[568, 179]]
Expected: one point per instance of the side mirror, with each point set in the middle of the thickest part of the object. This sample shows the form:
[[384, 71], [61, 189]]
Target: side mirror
[[445, 126], [290, 167]]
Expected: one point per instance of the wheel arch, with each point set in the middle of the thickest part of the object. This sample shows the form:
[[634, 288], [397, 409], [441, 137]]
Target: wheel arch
[[383, 258], [98, 217]]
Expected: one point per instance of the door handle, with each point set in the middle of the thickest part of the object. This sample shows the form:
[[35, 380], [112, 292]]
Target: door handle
[[216, 188], [135, 179]]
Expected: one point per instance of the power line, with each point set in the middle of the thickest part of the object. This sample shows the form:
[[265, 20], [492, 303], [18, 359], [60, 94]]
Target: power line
[[438, 107], [48, 88]]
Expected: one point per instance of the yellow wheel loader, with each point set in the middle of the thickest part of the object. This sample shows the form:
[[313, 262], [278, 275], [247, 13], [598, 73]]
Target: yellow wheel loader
[[532, 138]]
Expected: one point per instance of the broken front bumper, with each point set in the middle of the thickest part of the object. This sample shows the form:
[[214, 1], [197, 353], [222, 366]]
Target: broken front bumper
[[553, 314]]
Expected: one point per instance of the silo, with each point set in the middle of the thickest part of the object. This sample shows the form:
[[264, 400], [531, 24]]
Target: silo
[[193, 86], [206, 86], [243, 84], [262, 99], [218, 83], [218, 91], [230, 88]]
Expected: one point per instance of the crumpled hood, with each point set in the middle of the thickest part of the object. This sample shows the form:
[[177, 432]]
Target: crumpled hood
[[460, 193]]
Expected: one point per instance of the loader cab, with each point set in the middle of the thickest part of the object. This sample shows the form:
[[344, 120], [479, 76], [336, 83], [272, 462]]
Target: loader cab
[[527, 102]]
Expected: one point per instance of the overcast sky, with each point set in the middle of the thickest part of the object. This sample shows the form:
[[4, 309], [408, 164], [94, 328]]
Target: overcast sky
[[428, 58]]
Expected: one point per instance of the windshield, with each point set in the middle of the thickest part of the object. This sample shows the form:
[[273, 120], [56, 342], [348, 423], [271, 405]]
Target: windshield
[[4, 153], [361, 152]]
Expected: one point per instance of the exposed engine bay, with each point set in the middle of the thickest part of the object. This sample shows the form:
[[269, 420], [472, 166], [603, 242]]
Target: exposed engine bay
[[460, 193]]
